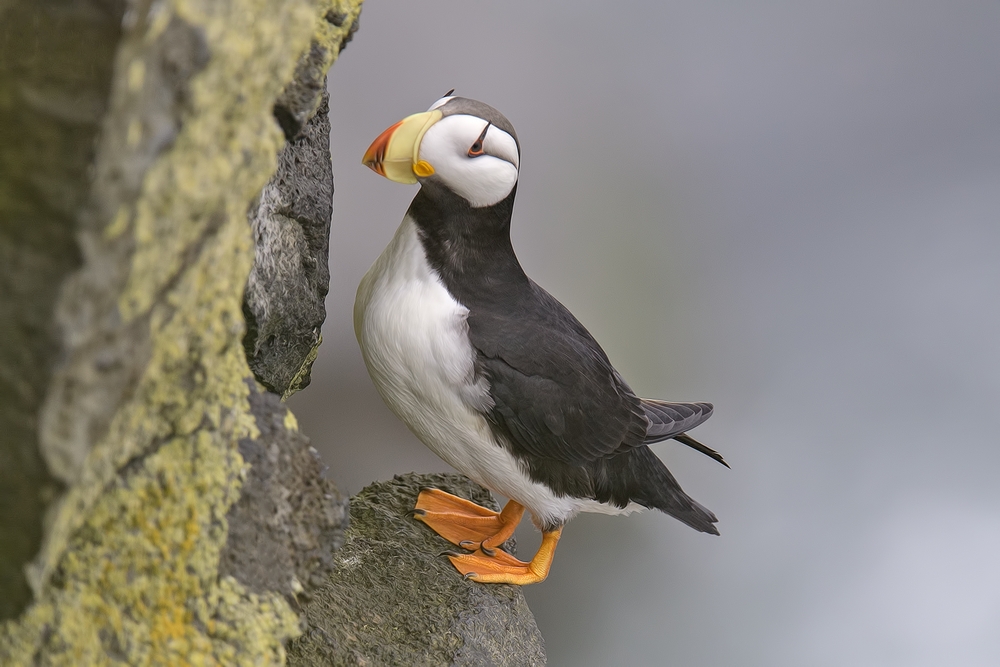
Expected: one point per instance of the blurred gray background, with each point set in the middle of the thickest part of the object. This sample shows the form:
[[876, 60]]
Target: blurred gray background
[[789, 209]]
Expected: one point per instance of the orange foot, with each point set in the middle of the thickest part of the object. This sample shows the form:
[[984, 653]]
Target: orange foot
[[502, 568], [471, 526], [465, 523]]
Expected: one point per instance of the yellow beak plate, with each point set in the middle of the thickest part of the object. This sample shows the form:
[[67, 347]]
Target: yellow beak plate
[[395, 154]]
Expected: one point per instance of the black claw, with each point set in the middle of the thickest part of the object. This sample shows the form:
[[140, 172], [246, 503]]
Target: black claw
[[486, 550], [450, 553], [468, 575], [470, 543], [415, 512]]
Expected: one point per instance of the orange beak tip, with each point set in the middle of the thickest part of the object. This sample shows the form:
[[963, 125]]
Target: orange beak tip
[[373, 156]]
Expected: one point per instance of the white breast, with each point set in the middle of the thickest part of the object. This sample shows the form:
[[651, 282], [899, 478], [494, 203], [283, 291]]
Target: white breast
[[414, 339]]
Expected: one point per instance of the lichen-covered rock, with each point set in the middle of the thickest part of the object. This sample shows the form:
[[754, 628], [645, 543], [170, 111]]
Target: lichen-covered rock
[[56, 67], [335, 26], [141, 242], [394, 600]]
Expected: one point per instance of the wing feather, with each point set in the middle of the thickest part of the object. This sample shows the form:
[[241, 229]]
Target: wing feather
[[556, 395], [554, 391]]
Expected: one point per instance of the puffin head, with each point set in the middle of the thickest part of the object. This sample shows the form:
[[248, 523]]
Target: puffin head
[[466, 146]]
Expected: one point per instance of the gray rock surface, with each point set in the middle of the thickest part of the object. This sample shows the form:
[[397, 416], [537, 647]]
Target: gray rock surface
[[285, 300], [289, 518], [394, 600]]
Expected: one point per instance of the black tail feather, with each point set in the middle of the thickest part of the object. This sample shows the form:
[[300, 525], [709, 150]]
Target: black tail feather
[[639, 476], [686, 439]]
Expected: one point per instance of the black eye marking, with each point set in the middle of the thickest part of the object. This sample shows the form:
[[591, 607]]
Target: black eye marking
[[477, 148]]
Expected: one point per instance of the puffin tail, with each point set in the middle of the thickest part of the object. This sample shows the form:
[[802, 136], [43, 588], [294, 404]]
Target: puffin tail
[[640, 476]]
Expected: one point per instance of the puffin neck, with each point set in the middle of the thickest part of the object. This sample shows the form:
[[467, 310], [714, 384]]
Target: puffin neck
[[469, 247]]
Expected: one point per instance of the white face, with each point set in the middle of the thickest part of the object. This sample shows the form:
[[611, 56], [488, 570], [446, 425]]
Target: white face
[[481, 168]]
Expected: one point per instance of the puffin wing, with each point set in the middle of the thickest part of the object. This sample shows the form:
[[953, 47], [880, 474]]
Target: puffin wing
[[554, 391]]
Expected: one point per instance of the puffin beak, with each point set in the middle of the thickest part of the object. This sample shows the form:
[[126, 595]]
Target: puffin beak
[[395, 154]]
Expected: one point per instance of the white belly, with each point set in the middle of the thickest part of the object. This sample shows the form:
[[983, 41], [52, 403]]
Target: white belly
[[414, 339]]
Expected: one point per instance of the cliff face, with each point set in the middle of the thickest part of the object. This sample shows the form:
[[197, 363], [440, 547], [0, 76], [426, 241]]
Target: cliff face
[[136, 137], [157, 502]]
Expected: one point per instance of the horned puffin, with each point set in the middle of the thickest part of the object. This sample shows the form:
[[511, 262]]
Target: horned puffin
[[489, 370]]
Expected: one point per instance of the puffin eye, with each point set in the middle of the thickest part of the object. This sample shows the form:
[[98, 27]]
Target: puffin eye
[[477, 148]]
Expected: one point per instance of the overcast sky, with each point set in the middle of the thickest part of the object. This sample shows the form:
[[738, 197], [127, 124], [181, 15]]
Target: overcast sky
[[790, 209]]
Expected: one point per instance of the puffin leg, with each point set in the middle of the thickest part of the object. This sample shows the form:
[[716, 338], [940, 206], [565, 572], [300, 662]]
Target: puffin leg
[[508, 518], [502, 568], [463, 522]]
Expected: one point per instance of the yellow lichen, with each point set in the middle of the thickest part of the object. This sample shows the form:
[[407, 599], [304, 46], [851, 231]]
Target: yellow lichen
[[291, 423], [304, 369], [328, 34]]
